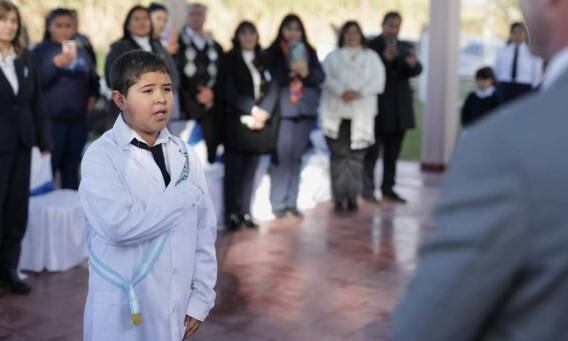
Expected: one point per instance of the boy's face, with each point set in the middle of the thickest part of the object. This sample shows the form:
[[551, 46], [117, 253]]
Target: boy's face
[[484, 83], [148, 104]]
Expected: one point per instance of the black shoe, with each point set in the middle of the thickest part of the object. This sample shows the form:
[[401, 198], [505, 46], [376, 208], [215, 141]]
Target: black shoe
[[338, 207], [294, 212], [233, 222], [370, 199], [247, 221], [394, 198], [279, 214], [352, 205], [15, 285]]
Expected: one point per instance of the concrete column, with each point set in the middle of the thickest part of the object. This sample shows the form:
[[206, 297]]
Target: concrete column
[[441, 117]]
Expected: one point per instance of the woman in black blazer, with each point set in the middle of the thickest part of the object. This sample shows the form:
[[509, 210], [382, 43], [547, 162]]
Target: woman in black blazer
[[250, 123], [138, 35], [22, 126]]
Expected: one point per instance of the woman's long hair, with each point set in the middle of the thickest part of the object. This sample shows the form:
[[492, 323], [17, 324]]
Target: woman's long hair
[[54, 14], [290, 18], [245, 26], [7, 6], [125, 32], [345, 28]]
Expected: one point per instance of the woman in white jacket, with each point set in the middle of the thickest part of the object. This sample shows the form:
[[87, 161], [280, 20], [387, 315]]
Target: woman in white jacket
[[355, 76]]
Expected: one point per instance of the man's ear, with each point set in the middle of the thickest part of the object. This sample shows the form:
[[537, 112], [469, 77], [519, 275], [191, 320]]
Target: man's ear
[[119, 99]]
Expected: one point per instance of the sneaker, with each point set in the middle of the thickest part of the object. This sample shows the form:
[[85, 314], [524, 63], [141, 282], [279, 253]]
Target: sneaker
[[352, 205], [233, 222], [247, 221], [338, 207], [279, 214], [371, 199]]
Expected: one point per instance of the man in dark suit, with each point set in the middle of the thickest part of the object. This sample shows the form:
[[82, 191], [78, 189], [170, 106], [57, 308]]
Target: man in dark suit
[[396, 113], [497, 266], [199, 65]]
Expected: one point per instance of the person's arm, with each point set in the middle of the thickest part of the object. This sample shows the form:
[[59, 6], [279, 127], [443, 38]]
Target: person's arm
[[118, 217], [202, 298], [270, 100], [316, 75], [47, 72], [43, 136], [332, 83], [479, 246], [466, 114], [242, 103], [375, 77]]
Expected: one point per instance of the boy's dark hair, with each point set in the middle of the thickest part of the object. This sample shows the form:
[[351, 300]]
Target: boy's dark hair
[[345, 28], [392, 15], [129, 67], [154, 7], [485, 73]]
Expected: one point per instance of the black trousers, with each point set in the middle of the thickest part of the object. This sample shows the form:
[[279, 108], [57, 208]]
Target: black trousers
[[346, 165], [391, 145], [69, 139], [240, 169], [15, 172]]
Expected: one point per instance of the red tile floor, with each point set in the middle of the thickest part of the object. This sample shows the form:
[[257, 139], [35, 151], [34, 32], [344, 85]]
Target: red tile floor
[[324, 278]]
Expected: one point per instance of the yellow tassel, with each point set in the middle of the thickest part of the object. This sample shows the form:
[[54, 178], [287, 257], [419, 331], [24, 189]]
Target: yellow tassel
[[137, 319]]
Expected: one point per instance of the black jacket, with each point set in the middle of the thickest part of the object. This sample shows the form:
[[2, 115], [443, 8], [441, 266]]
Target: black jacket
[[23, 120], [475, 108], [309, 104], [240, 99], [396, 104]]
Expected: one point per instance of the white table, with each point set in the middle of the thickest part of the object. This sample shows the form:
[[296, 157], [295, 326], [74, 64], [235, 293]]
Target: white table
[[54, 240]]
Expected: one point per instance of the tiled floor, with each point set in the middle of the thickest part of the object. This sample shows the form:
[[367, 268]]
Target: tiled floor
[[328, 277]]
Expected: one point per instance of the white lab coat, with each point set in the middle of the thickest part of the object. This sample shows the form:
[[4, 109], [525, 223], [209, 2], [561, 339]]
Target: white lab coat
[[123, 196]]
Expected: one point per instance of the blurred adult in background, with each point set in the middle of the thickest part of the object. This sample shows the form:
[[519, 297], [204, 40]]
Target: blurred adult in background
[[354, 77], [23, 124], [81, 39], [138, 35], [168, 37], [396, 107], [69, 83], [496, 267], [295, 66], [199, 64], [250, 122], [518, 71]]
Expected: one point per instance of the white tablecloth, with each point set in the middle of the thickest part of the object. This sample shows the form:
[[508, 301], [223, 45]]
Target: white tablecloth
[[54, 238]]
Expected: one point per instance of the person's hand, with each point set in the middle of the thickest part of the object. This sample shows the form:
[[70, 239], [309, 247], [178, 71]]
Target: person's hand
[[390, 53], [45, 152], [173, 45], [191, 326], [412, 58], [300, 68], [90, 104], [260, 114], [63, 59], [349, 96], [205, 96]]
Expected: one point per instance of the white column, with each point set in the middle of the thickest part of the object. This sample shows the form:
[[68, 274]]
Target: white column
[[441, 117]]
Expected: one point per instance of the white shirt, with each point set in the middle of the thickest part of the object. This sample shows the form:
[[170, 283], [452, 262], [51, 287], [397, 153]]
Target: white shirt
[[248, 56], [557, 66], [143, 42], [8, 66], [529, 66], [485, 92], [123, 197], [200, 41]]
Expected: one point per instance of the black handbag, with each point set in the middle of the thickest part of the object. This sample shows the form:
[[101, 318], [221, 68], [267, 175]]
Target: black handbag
[[239, 138]]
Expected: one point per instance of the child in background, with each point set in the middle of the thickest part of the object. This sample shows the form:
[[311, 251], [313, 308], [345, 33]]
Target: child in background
[[482, 101]]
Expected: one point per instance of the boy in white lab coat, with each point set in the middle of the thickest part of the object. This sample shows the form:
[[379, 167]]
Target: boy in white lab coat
[[151, 225]]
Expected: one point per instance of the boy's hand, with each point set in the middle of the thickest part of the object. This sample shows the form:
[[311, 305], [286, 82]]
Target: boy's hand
[[191, 326]]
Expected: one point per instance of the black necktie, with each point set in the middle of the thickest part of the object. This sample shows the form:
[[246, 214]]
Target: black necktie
[[515, 69], [158, 155]]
